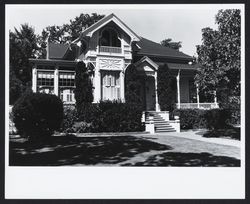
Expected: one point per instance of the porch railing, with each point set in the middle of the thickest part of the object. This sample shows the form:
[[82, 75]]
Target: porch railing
[[110, 49], [197, 105]]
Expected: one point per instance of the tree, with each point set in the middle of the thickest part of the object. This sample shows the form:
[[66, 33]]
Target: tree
[[166, 88], [67, 32], [133, 83], [83, 91], [23, 45], [219, 56], [168, 43]]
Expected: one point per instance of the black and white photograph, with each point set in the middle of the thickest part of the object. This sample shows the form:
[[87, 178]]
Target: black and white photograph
[[146, 88]]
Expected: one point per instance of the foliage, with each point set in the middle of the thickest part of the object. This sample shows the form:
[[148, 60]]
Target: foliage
[[191, 118], [67, 32], [111, 116], [69, 118], [217, 118], [166, 88], [16, 88], [23, 45], [37, 115], [83, 90], [169, 43], [133, 83], [219, 56]]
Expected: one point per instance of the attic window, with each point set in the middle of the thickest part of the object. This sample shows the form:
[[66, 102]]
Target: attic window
[[109, 38]]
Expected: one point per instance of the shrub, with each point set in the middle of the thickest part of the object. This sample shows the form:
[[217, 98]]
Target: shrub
[[191, 118], [111, 116], [166, 88], [69, 118], [37, 115], [217, 118], [83, 91]]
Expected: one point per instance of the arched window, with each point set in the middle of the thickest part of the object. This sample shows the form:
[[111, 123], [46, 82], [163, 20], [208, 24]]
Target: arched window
[[109, 37]]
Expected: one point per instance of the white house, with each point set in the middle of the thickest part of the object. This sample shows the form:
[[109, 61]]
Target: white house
[[110, 46]]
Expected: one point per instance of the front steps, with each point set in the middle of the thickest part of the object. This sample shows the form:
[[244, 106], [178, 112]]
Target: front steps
[[160, 124]]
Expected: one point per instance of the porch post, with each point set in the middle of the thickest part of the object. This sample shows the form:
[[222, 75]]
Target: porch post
[[97, 83], [122, 81], [34, 78], [56, 75], [178, 90], [157, 107], [215, 99], [198, 96]]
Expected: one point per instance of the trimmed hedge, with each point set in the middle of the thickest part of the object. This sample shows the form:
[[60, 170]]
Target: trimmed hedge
[[105, 116], [191, 118], [198, 118], [38, 115]]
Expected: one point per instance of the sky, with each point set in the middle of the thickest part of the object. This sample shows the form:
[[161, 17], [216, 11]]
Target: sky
[[155, 22]]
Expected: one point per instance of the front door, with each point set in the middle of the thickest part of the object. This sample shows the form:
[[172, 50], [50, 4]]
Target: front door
[[150, 93]]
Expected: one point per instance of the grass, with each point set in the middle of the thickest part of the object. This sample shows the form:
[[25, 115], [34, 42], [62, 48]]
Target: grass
[[118, 150]]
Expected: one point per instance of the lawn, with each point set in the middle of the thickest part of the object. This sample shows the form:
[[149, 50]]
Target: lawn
[[120, 151]]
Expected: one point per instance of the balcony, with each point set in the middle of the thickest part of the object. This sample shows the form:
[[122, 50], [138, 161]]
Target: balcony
[[197, 105], [111, 50]]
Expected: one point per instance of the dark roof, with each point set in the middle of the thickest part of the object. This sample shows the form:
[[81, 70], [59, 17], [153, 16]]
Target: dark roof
[[150, 48], [180, 66], [57, 51]]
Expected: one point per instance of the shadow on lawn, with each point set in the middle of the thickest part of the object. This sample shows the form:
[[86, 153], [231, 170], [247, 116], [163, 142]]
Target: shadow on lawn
[[189, 160], [71, 150]]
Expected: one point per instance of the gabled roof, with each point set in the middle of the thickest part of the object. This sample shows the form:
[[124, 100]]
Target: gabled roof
[[147, 60], [153, 49], [112, 17]]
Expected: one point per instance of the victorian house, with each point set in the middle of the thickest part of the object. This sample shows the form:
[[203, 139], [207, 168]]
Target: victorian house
[[109, 46]]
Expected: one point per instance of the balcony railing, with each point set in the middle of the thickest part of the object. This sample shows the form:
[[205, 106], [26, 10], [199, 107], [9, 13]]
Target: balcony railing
[[110, 49], [197, 105]]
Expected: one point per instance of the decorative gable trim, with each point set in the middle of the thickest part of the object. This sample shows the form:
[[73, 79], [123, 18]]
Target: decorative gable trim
[[99, 24], [147, 60]]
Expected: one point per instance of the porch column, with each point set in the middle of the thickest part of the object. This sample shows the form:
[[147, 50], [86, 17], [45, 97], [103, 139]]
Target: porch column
[[215, 99], [178, 90], [97, 83], [122, 85], [56, 84], [34, 78], [157, 107], [198, 96]]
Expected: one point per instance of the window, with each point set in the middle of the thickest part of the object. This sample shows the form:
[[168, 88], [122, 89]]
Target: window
[[110, 38], [67, 86], [45, 82], [67, 79], [110, 85]]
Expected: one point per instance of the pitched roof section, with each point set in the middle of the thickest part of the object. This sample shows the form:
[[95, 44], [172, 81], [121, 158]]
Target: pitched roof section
[[150, 48], [180, 66], [57, 51], [112, 17], [149, 61]]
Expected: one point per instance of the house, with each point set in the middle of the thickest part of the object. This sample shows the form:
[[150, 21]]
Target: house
[[109, 46]]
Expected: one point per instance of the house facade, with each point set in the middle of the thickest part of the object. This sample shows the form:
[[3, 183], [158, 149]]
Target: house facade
[[108, 47]]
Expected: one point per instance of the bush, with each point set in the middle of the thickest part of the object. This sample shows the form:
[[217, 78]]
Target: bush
[[111, 117], [217, 118], [69, 118], [166, 88], [191, 118], [37, 115]]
